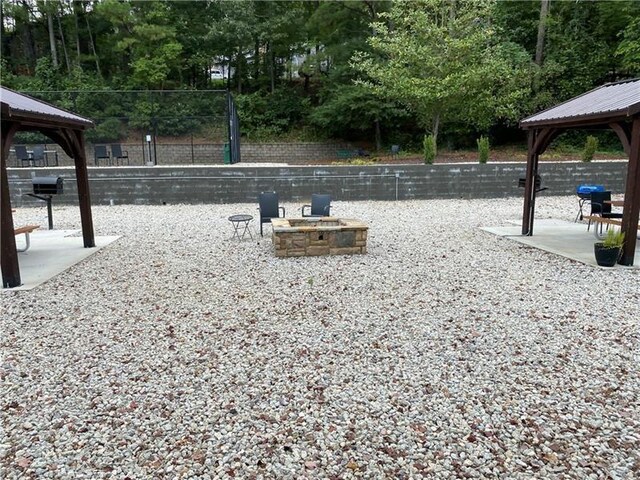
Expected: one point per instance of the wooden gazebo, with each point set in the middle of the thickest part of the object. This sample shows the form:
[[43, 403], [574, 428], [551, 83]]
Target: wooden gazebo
[[614, 105], [22, 113]]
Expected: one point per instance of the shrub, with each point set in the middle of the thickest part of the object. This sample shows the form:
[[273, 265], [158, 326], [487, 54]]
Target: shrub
[[614, 239], [108, 131], [590, 147], [483, 149], [273, 113], [30, 138], [429, 145]]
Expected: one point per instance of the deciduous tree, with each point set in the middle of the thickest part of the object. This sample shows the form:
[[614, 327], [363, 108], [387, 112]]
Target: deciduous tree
[[445, 60]]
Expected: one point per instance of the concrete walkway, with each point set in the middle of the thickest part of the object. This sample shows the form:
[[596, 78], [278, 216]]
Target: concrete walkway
[[51, 253], [568, 239]]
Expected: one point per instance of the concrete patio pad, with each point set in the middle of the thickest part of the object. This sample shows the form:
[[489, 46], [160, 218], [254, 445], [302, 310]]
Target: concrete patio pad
[[568, 239], [51, 253]]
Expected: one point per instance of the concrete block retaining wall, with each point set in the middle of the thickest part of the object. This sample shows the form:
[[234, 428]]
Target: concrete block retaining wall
[[209, 154], [241, 184]]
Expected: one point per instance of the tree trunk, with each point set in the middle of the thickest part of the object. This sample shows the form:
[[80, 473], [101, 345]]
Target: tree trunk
[[93, 45], [256, 62], [542, 27], [64, 44], [318, 66], [30, 46], [452, 14], [378, 135], [371, 5], [75, 19], [52, 40], [436, 126], [3, 36], [238, 70], [272, 69]]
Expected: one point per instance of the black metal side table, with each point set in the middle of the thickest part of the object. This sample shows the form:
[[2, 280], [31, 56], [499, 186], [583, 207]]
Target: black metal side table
[[239, 221]]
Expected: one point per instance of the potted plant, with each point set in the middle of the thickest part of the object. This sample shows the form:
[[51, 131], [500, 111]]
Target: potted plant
[[608, 251]]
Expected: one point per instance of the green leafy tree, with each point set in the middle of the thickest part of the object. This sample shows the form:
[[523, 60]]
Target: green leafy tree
[[336, 31], [444, 59], [629, 49], [146, 38], [585, 44], [351, 109], [232, 35], [198, 48], [264, 115]]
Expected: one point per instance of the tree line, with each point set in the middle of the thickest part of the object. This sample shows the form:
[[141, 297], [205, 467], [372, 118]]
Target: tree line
[[383, 71]]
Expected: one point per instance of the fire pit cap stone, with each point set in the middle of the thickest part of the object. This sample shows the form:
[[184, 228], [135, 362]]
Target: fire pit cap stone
[[316, 224]]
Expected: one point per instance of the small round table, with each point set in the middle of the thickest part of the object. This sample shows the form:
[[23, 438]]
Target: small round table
[[238, 221]]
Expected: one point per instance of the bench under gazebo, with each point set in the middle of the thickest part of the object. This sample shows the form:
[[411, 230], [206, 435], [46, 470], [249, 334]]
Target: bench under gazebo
[[22, 113]]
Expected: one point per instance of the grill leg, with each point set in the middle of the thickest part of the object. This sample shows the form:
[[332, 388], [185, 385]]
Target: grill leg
[[580, 214], [50, 213]]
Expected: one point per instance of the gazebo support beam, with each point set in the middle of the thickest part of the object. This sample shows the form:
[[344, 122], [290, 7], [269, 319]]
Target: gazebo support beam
[[624, 134], [632, 196], [8, 253]]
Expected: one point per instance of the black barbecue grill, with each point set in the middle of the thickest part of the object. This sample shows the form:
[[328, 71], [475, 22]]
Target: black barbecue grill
[[537, 183], [44, 188], [584, 195]]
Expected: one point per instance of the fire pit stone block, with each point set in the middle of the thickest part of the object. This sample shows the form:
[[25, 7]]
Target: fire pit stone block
[[296, 237]]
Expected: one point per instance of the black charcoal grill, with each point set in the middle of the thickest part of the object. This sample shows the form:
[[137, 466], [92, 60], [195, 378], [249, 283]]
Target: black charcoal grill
[[537, 183], [44, 188], [584, 195]]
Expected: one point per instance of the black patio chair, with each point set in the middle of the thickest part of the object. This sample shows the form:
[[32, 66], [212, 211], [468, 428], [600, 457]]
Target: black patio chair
[[100, 153], [599, 207], [320, 206], [118, 154], [22, 155], [38, 156], [269, 208]]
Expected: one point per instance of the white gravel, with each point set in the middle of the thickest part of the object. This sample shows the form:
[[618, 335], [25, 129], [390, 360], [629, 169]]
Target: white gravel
[[445, 352]]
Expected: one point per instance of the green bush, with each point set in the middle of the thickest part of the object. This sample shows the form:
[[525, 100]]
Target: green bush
[[30, 138], [110, 130], [271, 113], [483, 149], [429, 145], [590, 147], [614, 239]]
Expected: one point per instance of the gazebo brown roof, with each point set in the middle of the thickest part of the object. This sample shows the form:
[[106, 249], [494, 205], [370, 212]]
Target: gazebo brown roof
[[21, 112], [614, 105]]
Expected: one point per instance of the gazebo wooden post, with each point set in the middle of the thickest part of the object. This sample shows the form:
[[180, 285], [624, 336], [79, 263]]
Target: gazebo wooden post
[[529, 186], [631, 197], [82, 180], [538, 141], [8, 253]]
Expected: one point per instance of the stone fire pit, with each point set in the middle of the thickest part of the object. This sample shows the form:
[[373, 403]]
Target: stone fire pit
[[297, 237]]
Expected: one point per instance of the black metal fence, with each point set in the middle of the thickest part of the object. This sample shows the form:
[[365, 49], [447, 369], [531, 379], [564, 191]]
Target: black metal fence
[[144, 127]]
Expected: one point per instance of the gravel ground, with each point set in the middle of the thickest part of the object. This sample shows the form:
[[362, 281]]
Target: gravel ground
[[445, 352]]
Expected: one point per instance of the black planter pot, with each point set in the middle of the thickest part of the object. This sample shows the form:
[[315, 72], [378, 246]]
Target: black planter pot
[[606, 256]]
